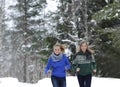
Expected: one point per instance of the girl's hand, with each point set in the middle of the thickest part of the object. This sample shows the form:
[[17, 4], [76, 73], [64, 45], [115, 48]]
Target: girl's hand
[[77, 69], [94, 70], [49, 71], [66, 68]]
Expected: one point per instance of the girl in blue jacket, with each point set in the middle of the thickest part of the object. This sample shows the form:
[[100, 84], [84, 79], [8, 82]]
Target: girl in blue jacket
[[59, 63]]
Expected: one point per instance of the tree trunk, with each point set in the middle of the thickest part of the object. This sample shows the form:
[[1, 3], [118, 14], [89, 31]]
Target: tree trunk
[[25, 28]]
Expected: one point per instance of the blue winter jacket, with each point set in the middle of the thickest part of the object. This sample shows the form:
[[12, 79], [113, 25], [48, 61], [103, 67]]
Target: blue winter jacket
[[59, 67]]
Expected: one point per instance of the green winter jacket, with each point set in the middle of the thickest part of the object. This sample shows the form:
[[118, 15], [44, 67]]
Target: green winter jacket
[[85, 62]]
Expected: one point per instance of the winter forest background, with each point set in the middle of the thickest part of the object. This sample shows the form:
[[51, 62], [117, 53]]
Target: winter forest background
[[29, 29]]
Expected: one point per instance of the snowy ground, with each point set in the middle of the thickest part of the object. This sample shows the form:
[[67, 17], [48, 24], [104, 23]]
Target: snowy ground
[[71, 82]]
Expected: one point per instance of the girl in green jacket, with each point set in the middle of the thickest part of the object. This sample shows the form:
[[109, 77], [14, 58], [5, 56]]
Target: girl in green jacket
[[84, 65]]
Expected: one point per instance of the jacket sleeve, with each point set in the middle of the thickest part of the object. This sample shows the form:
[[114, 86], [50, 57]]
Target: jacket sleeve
[[74, 65], [47, 66], [93, 64], [75, 62], [67, 63]]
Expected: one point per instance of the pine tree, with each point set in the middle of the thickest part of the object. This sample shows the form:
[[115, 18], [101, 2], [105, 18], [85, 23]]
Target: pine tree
[[107, 19], [28, 30]]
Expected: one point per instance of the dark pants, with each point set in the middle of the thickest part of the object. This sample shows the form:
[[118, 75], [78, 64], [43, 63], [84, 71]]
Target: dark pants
[[58, 81], [84, 81]]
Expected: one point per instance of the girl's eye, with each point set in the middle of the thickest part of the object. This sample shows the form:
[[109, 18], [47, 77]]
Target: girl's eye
[[56, 49]]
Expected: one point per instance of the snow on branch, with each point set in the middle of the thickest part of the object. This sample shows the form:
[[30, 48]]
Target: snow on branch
[[68, 41]]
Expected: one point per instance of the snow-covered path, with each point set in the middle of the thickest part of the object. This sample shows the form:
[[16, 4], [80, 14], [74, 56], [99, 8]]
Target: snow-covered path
[[71, 82]]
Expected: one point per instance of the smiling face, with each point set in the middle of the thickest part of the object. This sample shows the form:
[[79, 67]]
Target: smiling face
[[83, 46], [56, 49]]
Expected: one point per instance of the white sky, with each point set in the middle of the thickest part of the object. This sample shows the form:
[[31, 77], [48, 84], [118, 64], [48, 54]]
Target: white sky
[[71, 82], [52, 5]]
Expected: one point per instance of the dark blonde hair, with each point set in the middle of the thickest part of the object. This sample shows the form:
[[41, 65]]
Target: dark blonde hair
[[62, 48], [88, 49]]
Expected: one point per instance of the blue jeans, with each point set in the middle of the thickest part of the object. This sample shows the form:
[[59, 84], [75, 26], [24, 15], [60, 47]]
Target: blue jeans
[[58, 81], [84, 81]]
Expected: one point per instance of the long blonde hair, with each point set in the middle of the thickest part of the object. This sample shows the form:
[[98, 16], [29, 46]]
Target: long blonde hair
[[89, 49]]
